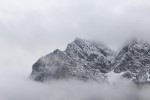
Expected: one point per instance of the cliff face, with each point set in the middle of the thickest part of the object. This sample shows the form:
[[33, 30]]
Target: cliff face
[[86, 60], [134, 61], [82, 60]]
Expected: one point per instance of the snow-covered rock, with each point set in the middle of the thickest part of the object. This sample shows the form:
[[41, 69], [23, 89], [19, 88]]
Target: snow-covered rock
[[86, 60], [134, 61], [81, 60]]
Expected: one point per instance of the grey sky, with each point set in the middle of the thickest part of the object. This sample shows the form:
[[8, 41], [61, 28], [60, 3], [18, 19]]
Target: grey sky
[[32, 28]]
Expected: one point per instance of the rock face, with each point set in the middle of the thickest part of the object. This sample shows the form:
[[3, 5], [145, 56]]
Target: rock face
[[134, 61], [81, 60], [86, 60]]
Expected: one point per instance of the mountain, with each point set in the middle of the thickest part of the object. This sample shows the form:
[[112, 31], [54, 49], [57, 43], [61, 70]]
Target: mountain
[[81, 60], [88, 60], [134, 61]]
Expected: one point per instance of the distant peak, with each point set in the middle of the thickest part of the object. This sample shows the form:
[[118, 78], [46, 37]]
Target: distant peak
[[135, 41], [79, 39], [56, 51]]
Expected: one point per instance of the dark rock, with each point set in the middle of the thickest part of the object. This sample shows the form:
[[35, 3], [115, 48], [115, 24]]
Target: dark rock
[[134, 59], [82, 60]]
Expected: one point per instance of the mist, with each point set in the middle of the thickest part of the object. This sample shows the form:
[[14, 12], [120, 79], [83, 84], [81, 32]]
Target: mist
[[30, 29], [24, 89]]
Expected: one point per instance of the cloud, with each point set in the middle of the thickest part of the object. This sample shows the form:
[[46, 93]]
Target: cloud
[[23, 89], [37, 27], [32, 28], [34, 23]]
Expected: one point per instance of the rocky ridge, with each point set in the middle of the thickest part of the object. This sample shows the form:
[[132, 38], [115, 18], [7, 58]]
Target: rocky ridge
[[82, 60], [134, 61], [87, 60]]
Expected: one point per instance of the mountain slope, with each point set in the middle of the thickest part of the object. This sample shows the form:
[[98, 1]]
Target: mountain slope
[[86, 60], [82, 60], [134, 61]]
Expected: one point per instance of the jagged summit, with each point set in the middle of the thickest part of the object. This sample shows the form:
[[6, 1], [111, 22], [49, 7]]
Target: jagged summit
[[133, 44], [79, 39], [134, 60], [86, 60], [82, 59], [91, 47]]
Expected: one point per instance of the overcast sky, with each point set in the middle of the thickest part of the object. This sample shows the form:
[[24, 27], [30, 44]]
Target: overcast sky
[[30, 29]]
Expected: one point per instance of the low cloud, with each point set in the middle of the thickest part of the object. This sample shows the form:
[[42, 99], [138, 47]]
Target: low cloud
[[30, 29], [33, 28], [24, 89]]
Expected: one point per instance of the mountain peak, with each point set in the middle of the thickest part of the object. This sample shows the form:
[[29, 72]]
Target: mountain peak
[[82, 59], [78, 39], [86, 60], [139, 41], [134, 59]]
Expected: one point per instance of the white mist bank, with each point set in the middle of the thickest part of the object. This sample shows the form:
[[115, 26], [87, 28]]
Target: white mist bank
[[24, 89]]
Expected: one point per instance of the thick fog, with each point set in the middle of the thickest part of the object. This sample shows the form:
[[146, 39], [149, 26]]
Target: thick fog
[[30, 29], [24, 89]]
